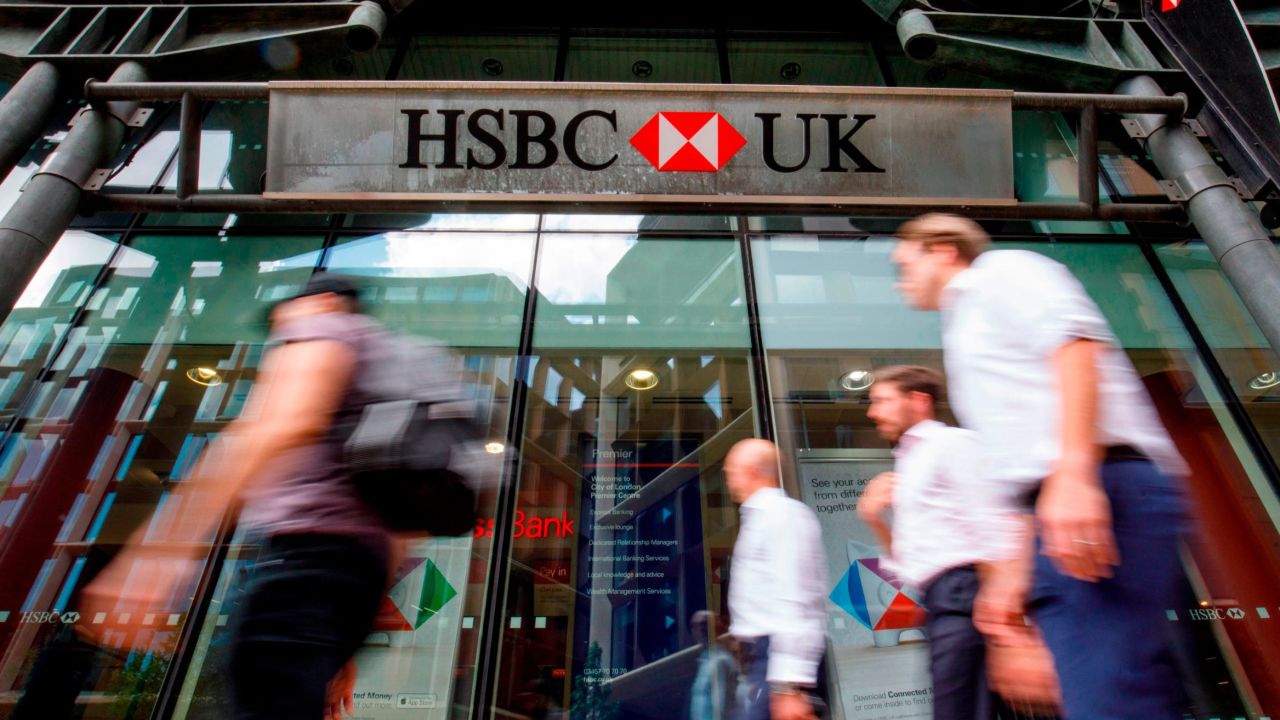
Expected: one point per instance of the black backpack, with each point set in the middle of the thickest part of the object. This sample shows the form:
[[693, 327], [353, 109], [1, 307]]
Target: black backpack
[[416, 451]]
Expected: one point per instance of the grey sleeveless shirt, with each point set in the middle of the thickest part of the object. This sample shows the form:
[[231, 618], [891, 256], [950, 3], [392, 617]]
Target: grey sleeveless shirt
[[308, 489]]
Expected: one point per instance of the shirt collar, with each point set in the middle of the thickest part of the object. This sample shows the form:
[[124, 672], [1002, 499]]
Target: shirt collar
[[761, 496], [961, 283], [915, 434]]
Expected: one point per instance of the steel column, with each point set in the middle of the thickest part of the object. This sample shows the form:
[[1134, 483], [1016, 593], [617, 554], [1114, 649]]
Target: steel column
[[24, 111], [189, 147], [50, 199], [1087, 158], [1229, 225]]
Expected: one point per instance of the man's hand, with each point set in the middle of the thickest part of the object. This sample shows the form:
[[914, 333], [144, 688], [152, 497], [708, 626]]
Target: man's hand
[[1000, 605], [340, 695], [790, 706], [1075, 522], [877, 498], [1024, 675]]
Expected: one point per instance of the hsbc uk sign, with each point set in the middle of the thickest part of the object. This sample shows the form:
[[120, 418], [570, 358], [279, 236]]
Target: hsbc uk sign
[[694, 144]]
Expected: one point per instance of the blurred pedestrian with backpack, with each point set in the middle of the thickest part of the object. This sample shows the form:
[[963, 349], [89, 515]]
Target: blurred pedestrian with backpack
[[327, 553]]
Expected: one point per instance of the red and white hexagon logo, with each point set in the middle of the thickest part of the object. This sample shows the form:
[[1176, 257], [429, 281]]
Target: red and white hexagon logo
[[688, 141]]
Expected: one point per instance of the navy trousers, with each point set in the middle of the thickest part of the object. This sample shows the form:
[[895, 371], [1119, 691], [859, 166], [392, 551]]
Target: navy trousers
[[753, 687], [957, 651], [1109, 639]]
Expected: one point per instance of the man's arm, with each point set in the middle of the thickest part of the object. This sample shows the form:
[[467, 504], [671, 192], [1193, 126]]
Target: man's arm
[[292, 403], [1073, 511], [876, 500], [796, 645], [797, 642]]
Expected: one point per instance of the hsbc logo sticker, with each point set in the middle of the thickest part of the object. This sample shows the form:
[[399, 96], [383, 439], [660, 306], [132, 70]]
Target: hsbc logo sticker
[[688, 141], [1167, 5]]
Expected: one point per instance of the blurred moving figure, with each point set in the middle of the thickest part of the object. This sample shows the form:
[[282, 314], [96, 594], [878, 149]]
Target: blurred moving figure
[[1066, 427], [324, 567], [950, 523], [777, 590], [713, 693]]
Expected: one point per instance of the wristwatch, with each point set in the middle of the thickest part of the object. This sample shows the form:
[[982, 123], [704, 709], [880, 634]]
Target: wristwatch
[[786, 688]]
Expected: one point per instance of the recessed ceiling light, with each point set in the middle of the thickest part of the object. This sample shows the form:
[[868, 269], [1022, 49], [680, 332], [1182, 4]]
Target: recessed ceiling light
[[1265, 380], [642, 379], [494, 448], [206, 376], [856, 380]]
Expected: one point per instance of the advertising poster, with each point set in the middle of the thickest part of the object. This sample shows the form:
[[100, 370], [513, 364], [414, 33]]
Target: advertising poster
[[405, 669], [880, 662]]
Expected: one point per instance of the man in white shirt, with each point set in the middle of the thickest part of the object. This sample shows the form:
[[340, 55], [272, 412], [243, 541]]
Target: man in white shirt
[[777, 589], [950, 526], [1066, 427]]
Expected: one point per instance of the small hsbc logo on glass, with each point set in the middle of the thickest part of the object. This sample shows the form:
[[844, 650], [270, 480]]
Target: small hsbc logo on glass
[[1216, 613]]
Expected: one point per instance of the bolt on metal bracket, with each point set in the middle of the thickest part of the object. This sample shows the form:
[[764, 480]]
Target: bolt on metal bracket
[[1136, 131], [136, 120], [97, 180], [139, 117], [1197, 180]]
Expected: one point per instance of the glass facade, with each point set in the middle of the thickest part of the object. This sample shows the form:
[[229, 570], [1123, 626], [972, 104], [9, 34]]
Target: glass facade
[[629, 342], [619, 357]]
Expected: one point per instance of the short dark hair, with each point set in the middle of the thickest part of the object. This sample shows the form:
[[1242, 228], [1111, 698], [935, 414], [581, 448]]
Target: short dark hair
[[324, 282], [913, 378]]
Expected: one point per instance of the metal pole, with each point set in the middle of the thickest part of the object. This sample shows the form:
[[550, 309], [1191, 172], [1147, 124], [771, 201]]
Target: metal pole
[[1087, 158], [1228, 225], [189, 147], [50, 199], [24, 111], [236, 203]]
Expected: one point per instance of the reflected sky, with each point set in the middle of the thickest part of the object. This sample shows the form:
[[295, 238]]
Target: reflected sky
[[435, 255], [76, 249], [574, 269]]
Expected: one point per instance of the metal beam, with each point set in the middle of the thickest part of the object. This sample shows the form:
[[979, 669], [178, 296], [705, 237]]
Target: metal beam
[[229, 203], [51, 197], [189, 40], [24, 110], [174, 91], [189, 147], [1069, 53], [1228, 225]]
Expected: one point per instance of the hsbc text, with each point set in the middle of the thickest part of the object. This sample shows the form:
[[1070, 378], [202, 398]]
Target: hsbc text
[[826, 141]]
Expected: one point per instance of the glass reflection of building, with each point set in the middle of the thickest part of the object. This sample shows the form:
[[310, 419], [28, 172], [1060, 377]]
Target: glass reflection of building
[[622, 530]]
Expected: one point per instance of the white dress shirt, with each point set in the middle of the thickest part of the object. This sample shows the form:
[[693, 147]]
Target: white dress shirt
[[778, 584], [1003, 319], [947, 513]]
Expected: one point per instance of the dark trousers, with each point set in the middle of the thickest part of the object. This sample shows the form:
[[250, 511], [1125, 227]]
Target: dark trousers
[[753, 684], [1109, 639], [310, 604], [957, 651]]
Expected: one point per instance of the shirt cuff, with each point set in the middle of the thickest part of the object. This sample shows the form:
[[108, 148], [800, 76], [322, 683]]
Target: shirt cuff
[[788, 669]]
